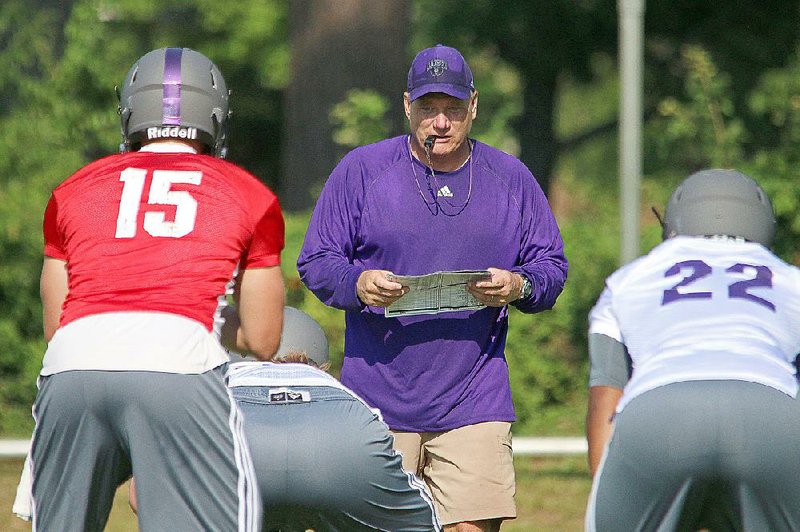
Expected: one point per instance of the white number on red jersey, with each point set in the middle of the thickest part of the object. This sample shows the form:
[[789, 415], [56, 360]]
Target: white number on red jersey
[[160, 194]]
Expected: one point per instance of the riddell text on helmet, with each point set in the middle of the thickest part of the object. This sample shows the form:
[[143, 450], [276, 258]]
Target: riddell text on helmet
[[172, 132]]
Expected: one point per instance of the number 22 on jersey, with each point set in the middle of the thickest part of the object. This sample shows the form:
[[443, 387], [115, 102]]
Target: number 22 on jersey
[[160, 193], [761, 277]]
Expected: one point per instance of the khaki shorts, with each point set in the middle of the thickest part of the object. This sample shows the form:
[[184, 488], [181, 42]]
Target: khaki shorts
[[469, 470]]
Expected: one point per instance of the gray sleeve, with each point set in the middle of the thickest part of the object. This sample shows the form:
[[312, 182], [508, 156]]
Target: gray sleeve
[[610, 363]]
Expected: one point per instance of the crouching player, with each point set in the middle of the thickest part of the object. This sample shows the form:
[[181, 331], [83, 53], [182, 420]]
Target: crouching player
[[707, 428], [323, 458]]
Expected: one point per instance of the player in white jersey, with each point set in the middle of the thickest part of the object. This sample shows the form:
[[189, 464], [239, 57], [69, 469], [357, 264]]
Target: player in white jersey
[[692, 418]]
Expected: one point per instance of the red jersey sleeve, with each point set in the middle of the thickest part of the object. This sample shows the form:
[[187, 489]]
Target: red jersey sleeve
[[268, 239], [53, 244]]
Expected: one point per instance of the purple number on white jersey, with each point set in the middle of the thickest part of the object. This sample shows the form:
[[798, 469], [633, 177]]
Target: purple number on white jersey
[[763, 279], [699, 269], [736, 290]]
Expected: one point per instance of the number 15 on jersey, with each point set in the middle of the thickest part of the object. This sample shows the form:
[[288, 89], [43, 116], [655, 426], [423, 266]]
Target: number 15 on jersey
[[160, 193]]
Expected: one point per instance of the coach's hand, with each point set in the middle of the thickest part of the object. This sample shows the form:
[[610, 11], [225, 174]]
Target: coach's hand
[[501, 288], [375, 289]]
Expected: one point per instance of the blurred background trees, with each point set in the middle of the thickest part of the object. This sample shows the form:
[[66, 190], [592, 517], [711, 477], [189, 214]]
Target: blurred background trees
[[313, 78], [337, 45]]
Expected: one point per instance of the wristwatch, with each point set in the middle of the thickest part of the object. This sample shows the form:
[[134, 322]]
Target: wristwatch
[[527, 288]]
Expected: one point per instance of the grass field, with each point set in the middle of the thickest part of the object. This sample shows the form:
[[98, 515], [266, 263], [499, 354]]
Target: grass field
[[551, 497]]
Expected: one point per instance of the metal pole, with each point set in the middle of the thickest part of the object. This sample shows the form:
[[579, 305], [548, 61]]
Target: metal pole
[[631, 58]]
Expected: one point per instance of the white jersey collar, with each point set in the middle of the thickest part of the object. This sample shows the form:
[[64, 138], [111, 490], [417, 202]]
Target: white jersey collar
[[168, 147]]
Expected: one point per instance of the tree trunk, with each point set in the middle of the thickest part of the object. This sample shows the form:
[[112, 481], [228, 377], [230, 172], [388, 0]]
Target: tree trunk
[[535, 128], [337, 45]]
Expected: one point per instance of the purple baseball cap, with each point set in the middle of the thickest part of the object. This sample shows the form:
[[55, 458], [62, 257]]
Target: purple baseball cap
[[440, 69]]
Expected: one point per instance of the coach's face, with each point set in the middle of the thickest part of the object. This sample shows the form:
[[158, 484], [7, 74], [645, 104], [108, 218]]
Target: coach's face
[[446, 118]]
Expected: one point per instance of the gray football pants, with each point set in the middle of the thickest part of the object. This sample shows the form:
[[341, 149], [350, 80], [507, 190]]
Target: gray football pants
[[180, 435], [719, 455], [326, 462]]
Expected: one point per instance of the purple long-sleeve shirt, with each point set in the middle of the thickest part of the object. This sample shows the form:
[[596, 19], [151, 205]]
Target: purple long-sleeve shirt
[[433, 372]]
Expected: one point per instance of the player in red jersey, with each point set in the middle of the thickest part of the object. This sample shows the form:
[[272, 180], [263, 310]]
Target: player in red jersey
[[141, 249]]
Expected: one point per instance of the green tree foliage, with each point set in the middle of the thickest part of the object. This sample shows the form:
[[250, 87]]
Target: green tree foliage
[[776, 99], [360, 118], [32, 154], [702, 128], [744, 38]]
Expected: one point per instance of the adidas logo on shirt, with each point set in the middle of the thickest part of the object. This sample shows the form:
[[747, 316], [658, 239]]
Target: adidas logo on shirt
[[444, 192]]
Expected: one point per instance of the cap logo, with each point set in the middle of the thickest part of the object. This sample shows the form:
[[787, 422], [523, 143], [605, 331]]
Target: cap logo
[[436, 67]]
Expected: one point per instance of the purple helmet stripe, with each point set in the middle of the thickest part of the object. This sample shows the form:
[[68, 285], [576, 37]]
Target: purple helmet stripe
[[171, 102]]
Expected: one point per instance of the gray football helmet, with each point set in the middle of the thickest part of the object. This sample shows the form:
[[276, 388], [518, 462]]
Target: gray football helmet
[[720, 202], [301, 332], [174, 93]]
